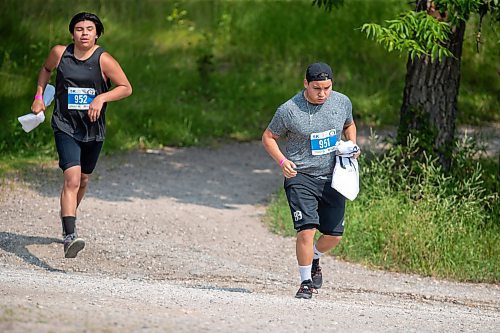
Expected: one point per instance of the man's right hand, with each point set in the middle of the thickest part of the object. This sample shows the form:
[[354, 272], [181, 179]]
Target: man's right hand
[[288, 169]]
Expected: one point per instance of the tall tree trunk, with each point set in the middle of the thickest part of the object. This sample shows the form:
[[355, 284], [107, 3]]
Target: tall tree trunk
[[430, 95]]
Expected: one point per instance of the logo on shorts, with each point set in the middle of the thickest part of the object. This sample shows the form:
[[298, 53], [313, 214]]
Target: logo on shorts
[[297, 215]]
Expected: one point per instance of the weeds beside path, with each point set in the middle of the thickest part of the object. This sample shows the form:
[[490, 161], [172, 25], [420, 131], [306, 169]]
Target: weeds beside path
[[486, 135]]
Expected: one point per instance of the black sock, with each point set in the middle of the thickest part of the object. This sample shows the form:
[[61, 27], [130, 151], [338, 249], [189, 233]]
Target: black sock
[[69, 224]]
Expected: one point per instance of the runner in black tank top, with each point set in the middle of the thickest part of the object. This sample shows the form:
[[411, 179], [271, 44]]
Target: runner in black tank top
[[84, 73], [70, 112]]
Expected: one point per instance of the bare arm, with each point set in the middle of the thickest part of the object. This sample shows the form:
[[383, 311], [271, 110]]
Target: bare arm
[[112, 70], [270, 143], [350, 133], [44, 76]]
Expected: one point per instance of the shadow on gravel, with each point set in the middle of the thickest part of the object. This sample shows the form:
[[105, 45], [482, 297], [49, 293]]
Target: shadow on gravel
[[222, 177], [18, 245], [230, 174]]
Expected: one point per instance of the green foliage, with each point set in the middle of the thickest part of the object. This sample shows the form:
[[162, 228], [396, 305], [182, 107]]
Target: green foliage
[[201, 71], [328, 4], [461, 10], [410, 216], [211, 70], [410, 170], [417, 33], [438, 224]]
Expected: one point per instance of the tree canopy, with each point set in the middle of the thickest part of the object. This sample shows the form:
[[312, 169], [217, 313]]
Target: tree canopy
[[424, 32], [432, 35]]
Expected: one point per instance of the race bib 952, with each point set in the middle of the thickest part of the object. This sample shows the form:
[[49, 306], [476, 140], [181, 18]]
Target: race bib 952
[[80, 98]]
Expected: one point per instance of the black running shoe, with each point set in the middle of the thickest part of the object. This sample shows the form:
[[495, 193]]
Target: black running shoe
[[72, 245], [317, 276], [306, 290]]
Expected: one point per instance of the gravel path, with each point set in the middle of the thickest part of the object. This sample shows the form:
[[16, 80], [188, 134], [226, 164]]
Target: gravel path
[[176, 243]]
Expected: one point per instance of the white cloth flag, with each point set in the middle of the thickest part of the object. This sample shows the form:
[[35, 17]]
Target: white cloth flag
[[345, 178], [30, 121]]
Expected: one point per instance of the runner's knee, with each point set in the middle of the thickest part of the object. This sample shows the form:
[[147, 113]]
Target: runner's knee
[[84, 180], [306, 235], [72, 182]]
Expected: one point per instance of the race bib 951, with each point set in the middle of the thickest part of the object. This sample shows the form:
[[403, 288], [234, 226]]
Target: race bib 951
[[323, 142]]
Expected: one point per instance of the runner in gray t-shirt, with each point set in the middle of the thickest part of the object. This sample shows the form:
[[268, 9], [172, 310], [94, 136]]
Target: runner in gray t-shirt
[[312, 122]]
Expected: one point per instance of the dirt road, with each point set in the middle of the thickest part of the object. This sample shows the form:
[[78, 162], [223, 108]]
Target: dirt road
[[175, 243]]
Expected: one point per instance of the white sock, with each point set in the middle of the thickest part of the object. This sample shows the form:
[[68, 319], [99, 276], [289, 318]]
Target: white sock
[[305, 273], [317, 254]]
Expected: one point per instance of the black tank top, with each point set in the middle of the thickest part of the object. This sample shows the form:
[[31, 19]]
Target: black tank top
[[78, 82]]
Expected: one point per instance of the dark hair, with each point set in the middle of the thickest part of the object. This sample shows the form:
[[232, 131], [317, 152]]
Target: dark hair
[[86, 17]]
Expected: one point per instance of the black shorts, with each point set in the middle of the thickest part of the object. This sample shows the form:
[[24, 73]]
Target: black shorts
[[73, 152], [315, 204]]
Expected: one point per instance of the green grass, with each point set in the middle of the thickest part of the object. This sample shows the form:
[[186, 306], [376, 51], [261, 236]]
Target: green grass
[[220, 68], [421, 237]]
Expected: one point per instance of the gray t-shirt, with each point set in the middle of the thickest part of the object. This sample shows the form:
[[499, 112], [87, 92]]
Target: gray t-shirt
[[312, 130]]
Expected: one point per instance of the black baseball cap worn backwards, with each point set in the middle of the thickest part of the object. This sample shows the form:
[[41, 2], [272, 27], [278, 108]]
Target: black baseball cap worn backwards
[[319, 71]]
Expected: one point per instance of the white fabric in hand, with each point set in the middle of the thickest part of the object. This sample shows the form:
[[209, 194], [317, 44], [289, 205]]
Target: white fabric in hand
[[346, 148], [345, 177], [30, 121], [48, 94]]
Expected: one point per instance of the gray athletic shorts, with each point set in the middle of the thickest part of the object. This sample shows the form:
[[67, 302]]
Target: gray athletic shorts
[[315, 204]]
